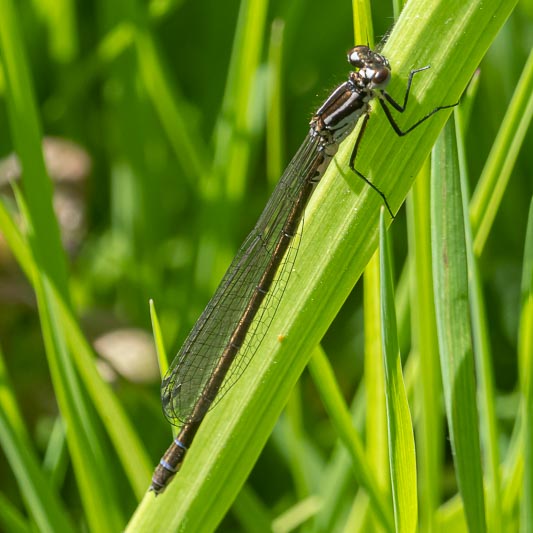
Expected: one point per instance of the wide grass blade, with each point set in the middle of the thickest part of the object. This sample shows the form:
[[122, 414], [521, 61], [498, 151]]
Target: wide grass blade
[[483, 359], [402, 459], [450, 277]]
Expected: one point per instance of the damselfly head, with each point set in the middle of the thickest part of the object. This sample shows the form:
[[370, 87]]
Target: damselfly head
[[370, 66], [362, 56]]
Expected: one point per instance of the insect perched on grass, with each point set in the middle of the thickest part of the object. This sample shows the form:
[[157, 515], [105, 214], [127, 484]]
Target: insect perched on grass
[[235, 321]]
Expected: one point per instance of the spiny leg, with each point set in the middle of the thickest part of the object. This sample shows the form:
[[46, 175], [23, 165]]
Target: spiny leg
[[384, 95], [395, 126], [361, 175]]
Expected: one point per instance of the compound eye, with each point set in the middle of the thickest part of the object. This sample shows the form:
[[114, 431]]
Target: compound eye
[[381, 77], [357, 56]]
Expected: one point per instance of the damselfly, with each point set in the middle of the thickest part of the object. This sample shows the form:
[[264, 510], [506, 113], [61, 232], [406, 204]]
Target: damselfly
[[235, 321]]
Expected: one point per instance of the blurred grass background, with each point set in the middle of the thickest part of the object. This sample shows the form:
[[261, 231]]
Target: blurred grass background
[[174, 114]]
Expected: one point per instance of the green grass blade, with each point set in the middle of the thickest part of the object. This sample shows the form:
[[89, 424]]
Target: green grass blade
[[294, 442], [61, 26], [402, 457], [183, 136], [55, 461], [127, 444], [26, 132], [451, 516], [425, 347], [251, 512], [11, 518], [234, 129], [337, 474], [526, 375], [275, 135], [467, 101], [376, 424], [450, 279], [513, 469], [363, 29], [296, 516], [332, 399], [484, 361], [500, 163], [162, 356], [41, 500], [90, 461], [49, 278]]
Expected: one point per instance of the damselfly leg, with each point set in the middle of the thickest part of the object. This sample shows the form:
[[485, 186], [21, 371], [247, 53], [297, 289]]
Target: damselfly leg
[[384, 97]]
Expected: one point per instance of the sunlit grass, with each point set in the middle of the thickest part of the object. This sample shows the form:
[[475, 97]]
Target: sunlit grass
[[172, 103]]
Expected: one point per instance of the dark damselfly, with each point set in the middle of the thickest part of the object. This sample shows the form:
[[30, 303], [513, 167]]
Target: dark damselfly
[[235, 321]]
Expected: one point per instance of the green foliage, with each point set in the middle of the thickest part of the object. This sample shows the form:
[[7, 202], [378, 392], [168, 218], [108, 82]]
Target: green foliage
[[175, 102]]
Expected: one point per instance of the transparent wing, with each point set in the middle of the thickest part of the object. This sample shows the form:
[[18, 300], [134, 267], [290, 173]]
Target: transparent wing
[[194, 364]]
